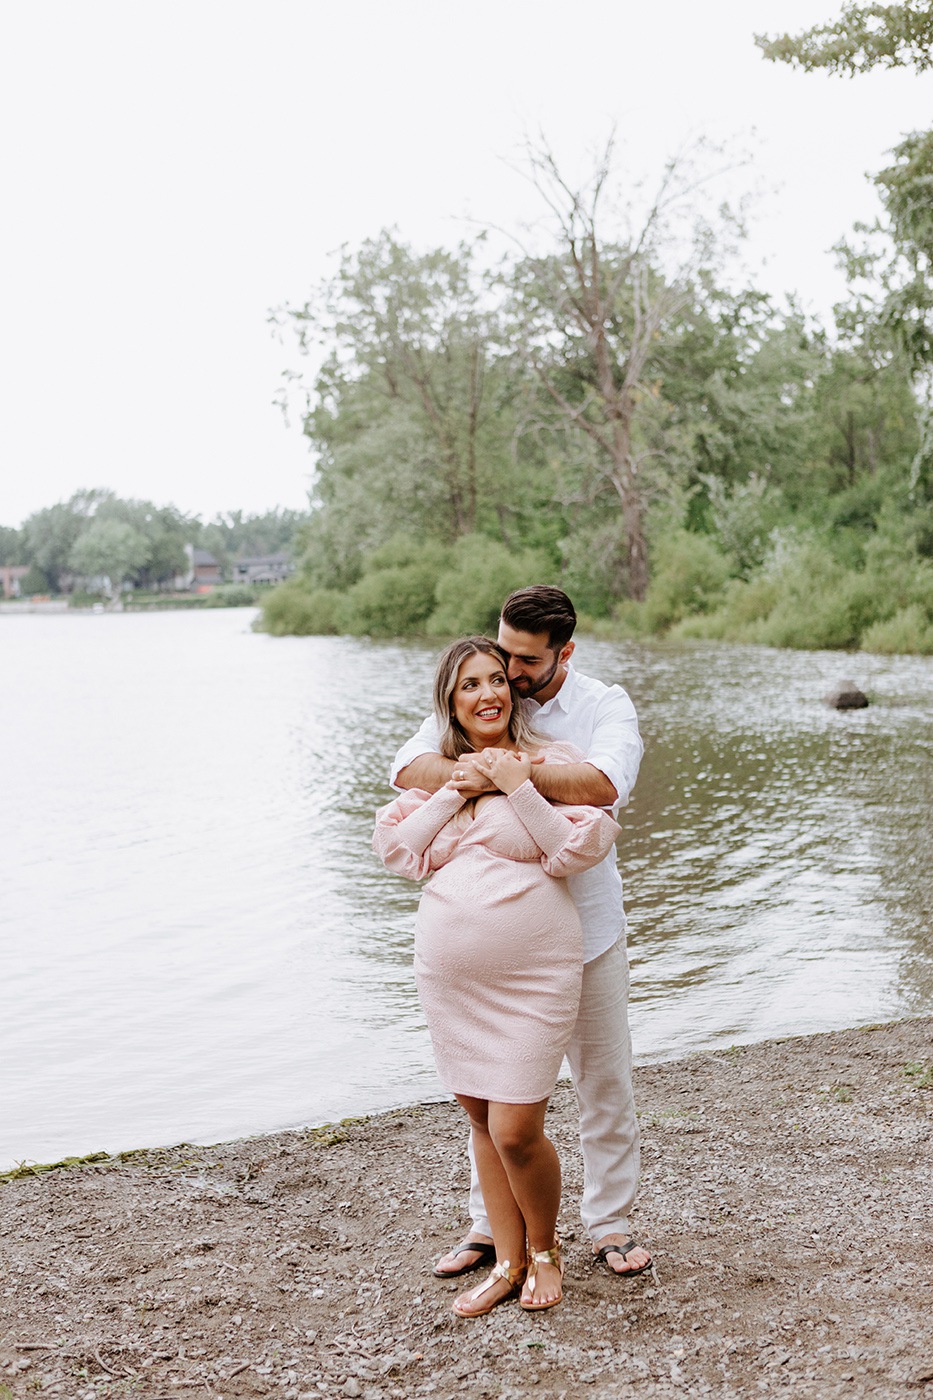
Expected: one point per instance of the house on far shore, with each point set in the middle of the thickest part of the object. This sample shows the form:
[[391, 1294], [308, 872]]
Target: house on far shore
[[203, 570], [10, 575], [262, 568]]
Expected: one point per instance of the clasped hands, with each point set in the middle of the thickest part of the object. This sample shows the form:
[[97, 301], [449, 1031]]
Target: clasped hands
[[493, 770]]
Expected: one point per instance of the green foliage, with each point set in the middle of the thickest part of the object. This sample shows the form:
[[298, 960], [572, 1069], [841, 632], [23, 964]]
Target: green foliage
[[129, 540], [689, 576], [909, 630], [234, 595], [805, 597], [864, 37], [395, 596], [481, 574], [34, 581], [235, 534], [111, 549], [12, 546], [412, 415], [99, 534], [593, 566], [292, 609], [743, 517], [410, 587], [50, 534]]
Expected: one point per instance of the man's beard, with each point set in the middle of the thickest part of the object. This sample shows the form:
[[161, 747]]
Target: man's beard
[[535, 686]]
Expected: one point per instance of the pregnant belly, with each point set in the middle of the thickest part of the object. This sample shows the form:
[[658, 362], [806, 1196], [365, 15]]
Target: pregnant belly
[[487, 915]]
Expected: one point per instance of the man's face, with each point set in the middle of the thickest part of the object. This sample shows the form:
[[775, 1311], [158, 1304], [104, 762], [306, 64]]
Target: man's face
[[533, 663]]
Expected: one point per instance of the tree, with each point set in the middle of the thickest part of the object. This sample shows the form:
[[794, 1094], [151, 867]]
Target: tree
[[590, 321], [12, 546], [50, 534], [237, 533], [412, 414], [864, 37], [110, 549], [898, 261]]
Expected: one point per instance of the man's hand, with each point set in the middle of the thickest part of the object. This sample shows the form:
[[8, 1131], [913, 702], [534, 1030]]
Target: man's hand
[[505, 769], [468, 778]]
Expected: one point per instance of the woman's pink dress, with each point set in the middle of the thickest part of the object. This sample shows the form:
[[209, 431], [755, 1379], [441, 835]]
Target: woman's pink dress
[[498, 945]]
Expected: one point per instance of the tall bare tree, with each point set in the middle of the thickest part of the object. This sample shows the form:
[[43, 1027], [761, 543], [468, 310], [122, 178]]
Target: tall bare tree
[[591, 318]]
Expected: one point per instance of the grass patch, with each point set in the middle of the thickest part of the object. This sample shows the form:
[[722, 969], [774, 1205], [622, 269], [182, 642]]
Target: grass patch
[[27, 1169], [330, 1134], [921, 1074]]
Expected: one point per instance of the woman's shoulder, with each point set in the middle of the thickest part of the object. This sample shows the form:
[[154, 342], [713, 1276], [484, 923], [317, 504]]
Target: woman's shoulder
[[559, 751]]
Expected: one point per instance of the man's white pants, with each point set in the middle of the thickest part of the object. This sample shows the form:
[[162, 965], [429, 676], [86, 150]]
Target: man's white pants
[[600, 1059]]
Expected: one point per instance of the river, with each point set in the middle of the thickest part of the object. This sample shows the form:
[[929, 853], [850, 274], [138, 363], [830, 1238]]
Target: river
[[197, 942]]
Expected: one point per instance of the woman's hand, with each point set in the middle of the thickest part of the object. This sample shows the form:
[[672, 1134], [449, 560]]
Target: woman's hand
[[506, 769]]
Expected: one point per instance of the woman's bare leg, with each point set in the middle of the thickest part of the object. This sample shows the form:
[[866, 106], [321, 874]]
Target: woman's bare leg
[[505, 1219], [532, 1169]]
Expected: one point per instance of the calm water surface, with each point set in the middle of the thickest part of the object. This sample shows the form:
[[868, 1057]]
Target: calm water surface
[[197, 943]]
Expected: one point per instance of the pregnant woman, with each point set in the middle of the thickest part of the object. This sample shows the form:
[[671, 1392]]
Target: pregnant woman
[[498, 954]]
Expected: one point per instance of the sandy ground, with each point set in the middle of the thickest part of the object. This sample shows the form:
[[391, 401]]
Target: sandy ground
[[787, 1192]]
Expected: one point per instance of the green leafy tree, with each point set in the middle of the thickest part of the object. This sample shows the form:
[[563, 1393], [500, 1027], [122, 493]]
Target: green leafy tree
[[165, 529], [895, 265], [863, 37], [50, 534], [237, 534], [12, 546], [34, 581], [413, 414], [110, 549]]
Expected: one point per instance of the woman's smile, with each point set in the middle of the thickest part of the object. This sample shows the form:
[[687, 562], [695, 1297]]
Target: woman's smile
[[482, 700]]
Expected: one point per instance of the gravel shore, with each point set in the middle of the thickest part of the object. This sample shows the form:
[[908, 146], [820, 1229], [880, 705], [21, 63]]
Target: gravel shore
[[786, 1194]]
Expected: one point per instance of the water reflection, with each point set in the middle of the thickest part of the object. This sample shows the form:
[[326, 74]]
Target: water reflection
[[197, 942]]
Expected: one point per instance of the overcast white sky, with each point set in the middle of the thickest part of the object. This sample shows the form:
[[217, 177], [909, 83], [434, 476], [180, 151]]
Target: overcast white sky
[[172, 171]]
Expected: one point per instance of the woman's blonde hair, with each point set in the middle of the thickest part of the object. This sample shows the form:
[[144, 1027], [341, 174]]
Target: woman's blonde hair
[[453, 740]]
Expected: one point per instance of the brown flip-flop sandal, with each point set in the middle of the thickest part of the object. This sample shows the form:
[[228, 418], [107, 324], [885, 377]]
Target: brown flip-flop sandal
[[486, 1252], [624, 1250]]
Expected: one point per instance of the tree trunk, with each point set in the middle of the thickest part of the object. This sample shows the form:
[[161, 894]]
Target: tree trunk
[[625, 474]]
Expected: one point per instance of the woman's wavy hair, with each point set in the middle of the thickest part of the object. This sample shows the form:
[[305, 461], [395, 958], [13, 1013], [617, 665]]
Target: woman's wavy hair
[[453, 740]]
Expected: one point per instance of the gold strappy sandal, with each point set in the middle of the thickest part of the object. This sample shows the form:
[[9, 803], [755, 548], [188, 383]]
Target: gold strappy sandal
[[513, 1277], [543, 1256]]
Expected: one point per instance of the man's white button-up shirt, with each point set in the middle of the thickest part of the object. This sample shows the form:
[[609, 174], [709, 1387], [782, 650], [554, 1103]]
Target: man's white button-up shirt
[[599, 720]]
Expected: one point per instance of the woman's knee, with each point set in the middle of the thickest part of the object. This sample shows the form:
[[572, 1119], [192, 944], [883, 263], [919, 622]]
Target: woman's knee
[[517, 1137]]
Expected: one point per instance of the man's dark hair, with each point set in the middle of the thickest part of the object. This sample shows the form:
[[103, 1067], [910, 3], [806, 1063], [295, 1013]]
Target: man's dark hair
[[541, 608]]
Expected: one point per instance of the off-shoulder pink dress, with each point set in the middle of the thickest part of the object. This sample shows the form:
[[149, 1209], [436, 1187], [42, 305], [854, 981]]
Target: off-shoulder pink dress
[[498, 945]]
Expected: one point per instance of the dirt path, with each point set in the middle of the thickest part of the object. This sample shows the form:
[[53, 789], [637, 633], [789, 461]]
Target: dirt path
[[787, 1194]]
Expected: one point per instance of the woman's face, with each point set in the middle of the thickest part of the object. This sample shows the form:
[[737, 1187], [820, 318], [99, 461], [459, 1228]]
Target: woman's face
[[482, 701]]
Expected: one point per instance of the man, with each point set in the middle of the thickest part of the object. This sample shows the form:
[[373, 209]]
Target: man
[[536, 630]]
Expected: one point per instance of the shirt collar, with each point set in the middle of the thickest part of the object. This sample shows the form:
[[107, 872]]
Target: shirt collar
[[562, 700]]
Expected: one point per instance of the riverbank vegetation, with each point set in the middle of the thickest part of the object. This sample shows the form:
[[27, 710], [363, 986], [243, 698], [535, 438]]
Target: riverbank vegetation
[[98, 544], [608, 408]]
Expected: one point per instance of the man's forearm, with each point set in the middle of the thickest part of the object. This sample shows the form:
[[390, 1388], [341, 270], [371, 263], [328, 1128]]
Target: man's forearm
[[429, 771], [578, 784]]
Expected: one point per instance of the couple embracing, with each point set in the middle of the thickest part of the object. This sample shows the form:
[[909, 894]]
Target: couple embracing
[[520, 939]]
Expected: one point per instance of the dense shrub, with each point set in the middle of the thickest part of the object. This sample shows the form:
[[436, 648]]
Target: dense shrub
[[743, 517], [294, 610], [481, 572], [234, 595], [689, 576], [593, 567], [391, 602], [909, 630], [34, 581]]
